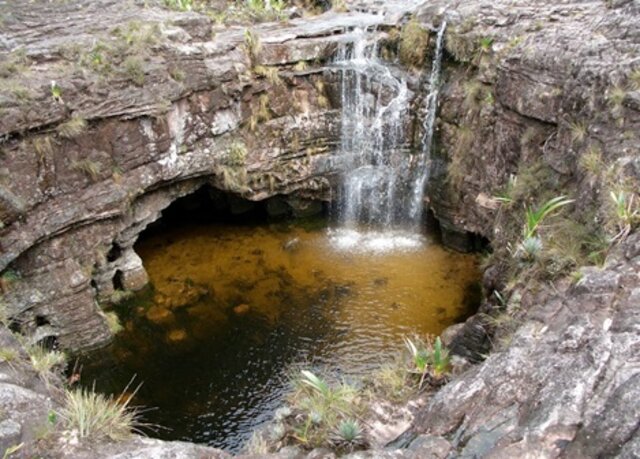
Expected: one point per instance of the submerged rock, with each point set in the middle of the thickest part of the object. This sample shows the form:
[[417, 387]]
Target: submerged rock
[[241, 309]]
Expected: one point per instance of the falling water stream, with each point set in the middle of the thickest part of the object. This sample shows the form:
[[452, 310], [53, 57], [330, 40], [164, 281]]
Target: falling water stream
[[381, 196], [233, 306]]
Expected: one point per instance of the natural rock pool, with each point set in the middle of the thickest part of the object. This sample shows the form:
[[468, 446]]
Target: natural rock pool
[[235, 307]]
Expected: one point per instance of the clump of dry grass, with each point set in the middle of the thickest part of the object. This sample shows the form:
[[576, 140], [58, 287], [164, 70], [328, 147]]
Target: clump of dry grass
[[95, 416], [414, 42], [73, 127]]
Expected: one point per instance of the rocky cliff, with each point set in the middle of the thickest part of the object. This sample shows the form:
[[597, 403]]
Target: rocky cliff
[[538, 101]]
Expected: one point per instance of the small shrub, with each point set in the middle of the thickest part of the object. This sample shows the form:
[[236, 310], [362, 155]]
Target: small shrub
[[73, 127], [96, 416], [391, 382], [14, 64], [176, 74], [339, 6], [414, 41], [472, 91]]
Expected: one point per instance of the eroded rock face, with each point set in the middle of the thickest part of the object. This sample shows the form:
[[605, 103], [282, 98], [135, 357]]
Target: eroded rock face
[[567, 385]]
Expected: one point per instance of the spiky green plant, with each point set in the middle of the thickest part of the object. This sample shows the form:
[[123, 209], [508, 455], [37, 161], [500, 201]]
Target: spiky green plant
[[506, 196], [96, 416], [439, 358], [56, 91], [627, 213], [419, 355], [485, 44], [530, 248], [316, 384], [10, 451], [534, 218], [348, 435]]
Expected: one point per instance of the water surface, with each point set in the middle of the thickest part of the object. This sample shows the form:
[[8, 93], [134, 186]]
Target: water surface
[[233, 308]]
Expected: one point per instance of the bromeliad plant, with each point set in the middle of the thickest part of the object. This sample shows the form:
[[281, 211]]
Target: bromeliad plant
[[319, 410], [531, 245], [428, 359], [627, 213]]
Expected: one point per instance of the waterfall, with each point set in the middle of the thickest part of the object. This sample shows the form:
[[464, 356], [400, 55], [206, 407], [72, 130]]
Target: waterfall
[[373, 135], [421, 168], [383, 180]]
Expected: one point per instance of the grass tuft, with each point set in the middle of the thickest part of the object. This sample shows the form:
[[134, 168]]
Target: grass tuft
[[73, 127], [44, 360], [113, 322], [133, 68], [414, 41], [578, 131], [252, 46], [271, 74], [96, 416], [90, 168]]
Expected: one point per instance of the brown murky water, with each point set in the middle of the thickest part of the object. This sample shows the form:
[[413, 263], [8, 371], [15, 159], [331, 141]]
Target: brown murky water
[[234, 307]]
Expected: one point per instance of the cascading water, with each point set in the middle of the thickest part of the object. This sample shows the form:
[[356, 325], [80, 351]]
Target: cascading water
[[383, 184], [421, 165]]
